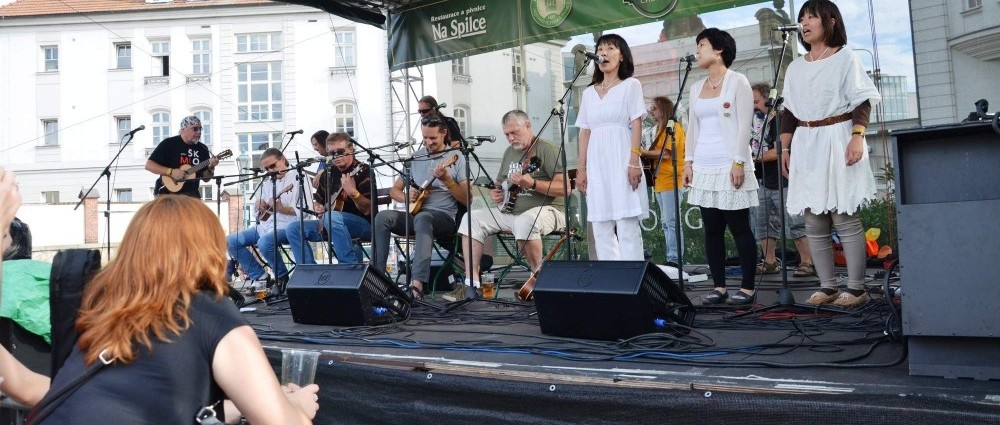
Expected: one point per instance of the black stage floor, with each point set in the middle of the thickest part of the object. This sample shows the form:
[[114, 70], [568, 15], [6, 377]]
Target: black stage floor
[[489, 363]]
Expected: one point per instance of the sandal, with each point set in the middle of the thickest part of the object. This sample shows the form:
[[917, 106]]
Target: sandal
[[805, 270], [416, 292]]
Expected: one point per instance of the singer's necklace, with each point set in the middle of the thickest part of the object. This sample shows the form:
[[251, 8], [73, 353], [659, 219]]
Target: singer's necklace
[[605, 86], [814, 58]]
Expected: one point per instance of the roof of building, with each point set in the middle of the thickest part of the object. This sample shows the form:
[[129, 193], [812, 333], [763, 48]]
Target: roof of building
[[29, 8]]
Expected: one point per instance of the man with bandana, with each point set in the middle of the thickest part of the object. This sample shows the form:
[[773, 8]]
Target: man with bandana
[[183, 149]]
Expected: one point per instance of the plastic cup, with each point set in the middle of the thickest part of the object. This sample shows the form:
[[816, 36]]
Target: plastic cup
[[489, 286], [298, 367]]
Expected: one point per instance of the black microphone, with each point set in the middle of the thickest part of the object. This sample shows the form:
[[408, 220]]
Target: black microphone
[[440, 105], [481, 139], [789, 27], [299, 131], [690, 58], [403, 145], [137, 129], [254, 169], [595, 57]]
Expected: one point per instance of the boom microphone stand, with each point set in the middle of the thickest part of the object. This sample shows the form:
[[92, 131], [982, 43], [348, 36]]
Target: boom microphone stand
[[106, 173]]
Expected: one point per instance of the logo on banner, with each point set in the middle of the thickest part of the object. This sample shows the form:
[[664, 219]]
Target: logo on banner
[[652, 8], [460, 24], [550, 13]]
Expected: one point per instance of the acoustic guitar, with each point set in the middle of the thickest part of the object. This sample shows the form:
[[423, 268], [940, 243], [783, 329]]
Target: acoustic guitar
[[425, 189], [511, 190], [174, 186], [265, 213], [337, 201], [526, 293]]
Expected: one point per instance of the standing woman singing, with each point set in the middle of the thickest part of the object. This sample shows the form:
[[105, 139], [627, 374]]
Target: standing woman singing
[[717, 163], [609, 172], [828, 100]]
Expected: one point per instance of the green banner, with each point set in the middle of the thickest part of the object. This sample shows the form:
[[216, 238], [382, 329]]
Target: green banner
[[439, 30]]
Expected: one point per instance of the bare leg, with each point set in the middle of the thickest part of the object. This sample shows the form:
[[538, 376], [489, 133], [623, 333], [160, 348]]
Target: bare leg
[[767, 245], [472, 271], [802, 245], [532, 252]]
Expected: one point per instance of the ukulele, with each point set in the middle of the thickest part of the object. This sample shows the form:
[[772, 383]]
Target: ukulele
[[265, 213], [526, 293], [511, 191], [425, 189], [174, 186]]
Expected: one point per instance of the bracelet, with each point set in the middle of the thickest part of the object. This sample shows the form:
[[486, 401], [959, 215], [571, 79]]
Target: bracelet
[[534, 184], [170, 171], [857, 133], [451, 184], [738, 164], [636, 150], [786, 150], [356, 196], [634, 166]]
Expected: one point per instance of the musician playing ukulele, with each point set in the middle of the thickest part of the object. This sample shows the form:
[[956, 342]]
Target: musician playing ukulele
[[446, 187], [349, 215], [538, 206], [175, 152]]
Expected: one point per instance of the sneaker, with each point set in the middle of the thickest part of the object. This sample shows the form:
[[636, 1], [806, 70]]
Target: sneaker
[[847, 300], [456, 294], [805, 270], [820, 298], [768, 268]]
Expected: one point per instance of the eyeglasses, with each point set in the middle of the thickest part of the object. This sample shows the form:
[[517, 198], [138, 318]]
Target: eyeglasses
[[338, 152], [195, 128], [432, 122], [271, 167], [424, 111]]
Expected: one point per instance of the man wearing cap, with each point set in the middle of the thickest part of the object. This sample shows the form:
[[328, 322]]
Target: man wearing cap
[[184, 149]]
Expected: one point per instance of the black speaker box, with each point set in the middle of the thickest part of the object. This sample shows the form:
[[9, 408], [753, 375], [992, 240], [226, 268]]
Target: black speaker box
[[608, 300], [344, 295]]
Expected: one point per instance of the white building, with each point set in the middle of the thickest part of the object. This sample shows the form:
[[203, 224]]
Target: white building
[[956, 47]]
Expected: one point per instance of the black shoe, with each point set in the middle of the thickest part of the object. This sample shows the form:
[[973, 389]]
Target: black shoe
[[741, 298], [715, 297]]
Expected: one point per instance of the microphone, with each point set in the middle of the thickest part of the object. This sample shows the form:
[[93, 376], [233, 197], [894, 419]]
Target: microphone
[[789, 27], [595, 57], [254, 169], [299, 131], [690, 58], [403, 145], [440, 105], [137, 129], [482, 139]]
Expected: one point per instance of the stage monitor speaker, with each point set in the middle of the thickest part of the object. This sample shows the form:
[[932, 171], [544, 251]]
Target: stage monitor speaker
[[344, 295], [608, 300]]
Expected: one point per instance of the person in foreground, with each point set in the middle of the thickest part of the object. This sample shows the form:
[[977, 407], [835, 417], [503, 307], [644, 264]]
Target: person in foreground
[[828, 100], [176, 342]]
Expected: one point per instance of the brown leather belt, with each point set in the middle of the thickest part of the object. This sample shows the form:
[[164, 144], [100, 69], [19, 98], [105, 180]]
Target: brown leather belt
[[826, 121]]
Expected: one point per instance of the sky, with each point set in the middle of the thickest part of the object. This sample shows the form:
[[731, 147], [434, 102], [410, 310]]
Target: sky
[[892, 31]]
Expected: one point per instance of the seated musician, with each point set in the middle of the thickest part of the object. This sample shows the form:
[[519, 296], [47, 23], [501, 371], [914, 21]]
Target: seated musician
[[184, 149], [538, 206], [435, 216], [348, 215], [272, 214]]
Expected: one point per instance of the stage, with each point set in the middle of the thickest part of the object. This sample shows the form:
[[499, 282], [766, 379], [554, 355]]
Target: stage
[[489, 363]]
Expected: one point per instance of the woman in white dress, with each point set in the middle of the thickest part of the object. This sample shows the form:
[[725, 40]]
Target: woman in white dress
[[609, 172], [828, 100], [717, 163]]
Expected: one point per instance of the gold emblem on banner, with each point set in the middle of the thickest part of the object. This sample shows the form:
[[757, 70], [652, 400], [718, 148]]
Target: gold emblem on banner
[[550, 13]]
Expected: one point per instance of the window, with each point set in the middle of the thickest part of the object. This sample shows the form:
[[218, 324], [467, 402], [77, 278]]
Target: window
[[973, 4], [161, 58], [206, 192], [50, 197], [516, 70], [259, 42], [256, 143], [51, 130], [343, 117], [343, 53], [205, 115], [461, 113], [460, 66], [123, 54], [201, 51], [123, 126], [50, 55], [123, 195], [259, 91], [161, 127]]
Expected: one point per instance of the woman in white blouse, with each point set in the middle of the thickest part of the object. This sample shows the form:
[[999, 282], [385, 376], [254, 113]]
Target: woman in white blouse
[[717, 162]]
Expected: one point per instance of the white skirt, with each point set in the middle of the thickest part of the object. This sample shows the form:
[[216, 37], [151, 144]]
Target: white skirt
[[712, 188]]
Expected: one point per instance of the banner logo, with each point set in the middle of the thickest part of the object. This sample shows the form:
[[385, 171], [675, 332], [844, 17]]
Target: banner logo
[[460, 24], [550, 13], [652, 8]]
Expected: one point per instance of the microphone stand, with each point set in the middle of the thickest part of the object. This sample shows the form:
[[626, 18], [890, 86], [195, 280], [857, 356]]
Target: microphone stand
[[218, 191], [106, 173], [300, 203], [669, 129], [786, 300]]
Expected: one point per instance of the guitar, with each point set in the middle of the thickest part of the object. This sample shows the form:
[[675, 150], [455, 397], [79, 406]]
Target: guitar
[[265, 213], [174, 186], [526, 293], [511, 191], [425, 189]]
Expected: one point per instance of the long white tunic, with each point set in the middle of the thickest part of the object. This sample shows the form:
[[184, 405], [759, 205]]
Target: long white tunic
[[609, 194], [819, 178]]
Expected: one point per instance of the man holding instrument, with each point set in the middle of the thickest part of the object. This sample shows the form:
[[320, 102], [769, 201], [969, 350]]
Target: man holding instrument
[[443, 187], [350, 210], [270, 208], [529, 197], [174, 153]]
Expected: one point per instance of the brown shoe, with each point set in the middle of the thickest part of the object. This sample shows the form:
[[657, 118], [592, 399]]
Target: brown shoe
[[820, 298], [456, 294], [846, 300], [768, 268], [805, 270]]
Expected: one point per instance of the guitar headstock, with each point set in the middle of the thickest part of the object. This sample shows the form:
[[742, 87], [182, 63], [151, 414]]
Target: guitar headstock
[[451, 161], [224, 154]]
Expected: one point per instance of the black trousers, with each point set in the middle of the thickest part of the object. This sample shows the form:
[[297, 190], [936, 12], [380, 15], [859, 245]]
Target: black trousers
[[738, 221]]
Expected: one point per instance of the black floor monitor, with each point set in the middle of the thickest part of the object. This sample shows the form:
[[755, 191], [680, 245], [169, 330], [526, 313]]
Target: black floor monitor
[[344, 295]]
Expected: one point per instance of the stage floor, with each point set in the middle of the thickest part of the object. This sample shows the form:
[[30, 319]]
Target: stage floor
[[815, 356]]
